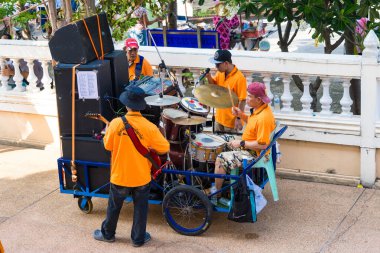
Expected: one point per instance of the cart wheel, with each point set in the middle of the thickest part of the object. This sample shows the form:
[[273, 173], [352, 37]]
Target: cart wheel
[[187, 210], [85, 204]]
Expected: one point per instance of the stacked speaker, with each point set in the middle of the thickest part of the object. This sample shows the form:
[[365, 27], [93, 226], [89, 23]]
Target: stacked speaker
[[87, 45]]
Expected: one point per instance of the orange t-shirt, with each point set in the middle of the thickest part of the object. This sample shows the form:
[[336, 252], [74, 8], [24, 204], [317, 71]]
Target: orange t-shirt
[[238, 84], [128, 167], [260, 125], [146, 69]]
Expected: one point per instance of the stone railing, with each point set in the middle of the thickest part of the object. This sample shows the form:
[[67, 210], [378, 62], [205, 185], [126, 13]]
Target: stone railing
[[331, 123]]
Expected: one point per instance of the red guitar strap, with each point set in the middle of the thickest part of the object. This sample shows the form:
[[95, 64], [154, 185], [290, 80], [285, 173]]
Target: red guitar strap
[[135, 140]]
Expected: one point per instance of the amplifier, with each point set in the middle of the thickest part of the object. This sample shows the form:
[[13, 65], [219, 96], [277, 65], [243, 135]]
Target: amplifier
[[101, 74]]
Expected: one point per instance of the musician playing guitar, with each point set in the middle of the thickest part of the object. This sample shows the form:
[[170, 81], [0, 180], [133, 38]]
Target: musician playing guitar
[[130, 170]]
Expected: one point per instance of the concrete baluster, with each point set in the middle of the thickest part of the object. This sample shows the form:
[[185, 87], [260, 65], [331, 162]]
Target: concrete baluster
[[266, 79], [306, 99], [4, 79], [326, 99], [32, 78], [286, 97], [346, 100], [18, 76], [46, 79]]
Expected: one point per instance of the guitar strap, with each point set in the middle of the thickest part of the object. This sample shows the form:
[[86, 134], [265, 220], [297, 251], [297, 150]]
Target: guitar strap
[[135, 140]]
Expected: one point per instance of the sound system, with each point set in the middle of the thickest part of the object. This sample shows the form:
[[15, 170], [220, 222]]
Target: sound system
[[119, 74], [72, 44], [87, 148], [99, 104]]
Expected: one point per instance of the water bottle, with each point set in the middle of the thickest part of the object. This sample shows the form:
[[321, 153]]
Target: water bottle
[[276, 103], [214, 199]]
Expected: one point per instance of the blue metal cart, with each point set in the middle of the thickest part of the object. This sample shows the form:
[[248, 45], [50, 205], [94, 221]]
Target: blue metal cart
[[186, 207]]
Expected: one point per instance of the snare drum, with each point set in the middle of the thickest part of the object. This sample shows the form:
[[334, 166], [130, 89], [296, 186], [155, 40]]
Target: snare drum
[[173, 131], [193, 106], [206, 147]]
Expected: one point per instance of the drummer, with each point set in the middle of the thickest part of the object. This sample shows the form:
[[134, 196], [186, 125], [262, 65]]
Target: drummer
[[256, 135], [138, 65], [228, 76]]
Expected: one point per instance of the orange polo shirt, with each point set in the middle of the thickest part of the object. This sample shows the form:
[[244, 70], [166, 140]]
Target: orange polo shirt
[[259, 126], [238, 84], [146, 69], [128, 167]]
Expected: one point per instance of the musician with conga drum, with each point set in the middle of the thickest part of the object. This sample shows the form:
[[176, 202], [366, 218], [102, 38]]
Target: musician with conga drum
[[228, 76]]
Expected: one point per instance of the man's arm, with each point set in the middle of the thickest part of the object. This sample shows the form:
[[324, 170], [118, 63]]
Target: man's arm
[[210, 79]]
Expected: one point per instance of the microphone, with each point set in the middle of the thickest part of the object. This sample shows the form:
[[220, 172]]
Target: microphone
[[204, 75]]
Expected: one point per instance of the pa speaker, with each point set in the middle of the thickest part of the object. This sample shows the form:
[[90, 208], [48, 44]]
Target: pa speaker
[[98, 105], [72, 44]]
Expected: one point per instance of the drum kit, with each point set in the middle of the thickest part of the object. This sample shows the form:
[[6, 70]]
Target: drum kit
[[182, 120]]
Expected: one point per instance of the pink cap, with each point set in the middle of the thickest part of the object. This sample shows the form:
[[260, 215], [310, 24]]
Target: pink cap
[[131, 43], [258, 90]]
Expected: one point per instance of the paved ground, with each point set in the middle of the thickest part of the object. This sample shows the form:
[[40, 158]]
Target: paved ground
[[310, 217]]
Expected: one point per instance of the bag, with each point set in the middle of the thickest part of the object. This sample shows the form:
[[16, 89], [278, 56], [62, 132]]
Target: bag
[[260, 200], [241, 209]]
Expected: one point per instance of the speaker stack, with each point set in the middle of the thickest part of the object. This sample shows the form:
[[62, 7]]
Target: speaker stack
[[100, 77]]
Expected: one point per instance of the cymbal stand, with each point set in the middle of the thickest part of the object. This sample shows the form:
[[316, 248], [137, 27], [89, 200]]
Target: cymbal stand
[[213, 120], [162, 65]]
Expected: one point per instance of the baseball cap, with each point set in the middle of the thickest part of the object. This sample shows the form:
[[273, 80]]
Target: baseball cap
[[258, 90], [221, 56], [131, 43]]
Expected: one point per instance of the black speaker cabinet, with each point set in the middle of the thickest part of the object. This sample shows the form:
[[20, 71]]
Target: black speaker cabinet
[[87, 148], [119, 74], [71, 43], [100, 71]]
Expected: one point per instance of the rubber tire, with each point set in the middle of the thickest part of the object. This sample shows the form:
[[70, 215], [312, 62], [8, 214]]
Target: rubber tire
[[205, 201], [88, 207]]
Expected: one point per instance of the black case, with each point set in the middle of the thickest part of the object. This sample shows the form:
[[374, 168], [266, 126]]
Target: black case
[[83, 125], [119, 74], [71, 43]]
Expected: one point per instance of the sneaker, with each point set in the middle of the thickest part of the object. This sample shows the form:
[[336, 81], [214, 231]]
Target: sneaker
[[146, 239], [98, 235]]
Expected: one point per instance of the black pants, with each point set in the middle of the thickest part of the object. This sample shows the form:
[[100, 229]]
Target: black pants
[[116, 199]]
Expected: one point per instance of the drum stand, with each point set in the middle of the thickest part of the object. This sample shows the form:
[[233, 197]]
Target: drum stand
[[213, 120]]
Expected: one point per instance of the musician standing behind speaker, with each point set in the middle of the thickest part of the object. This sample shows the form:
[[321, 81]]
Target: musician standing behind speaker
[[138, 65], [228, 76], [130, 170]]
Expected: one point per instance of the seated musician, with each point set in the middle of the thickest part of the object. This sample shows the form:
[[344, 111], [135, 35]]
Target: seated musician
[[256, 135], [138, 65]]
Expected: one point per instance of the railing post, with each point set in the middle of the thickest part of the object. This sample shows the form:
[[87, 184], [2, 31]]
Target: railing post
[[326, 99], [18, 76], [4, 79], [369, 111], [266, 80], [306, 99], [32, 78], [46, 79], [286, 97], [346, 100]]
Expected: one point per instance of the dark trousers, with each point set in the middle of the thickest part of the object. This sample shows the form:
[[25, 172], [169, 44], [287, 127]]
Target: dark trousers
[[117, 195]]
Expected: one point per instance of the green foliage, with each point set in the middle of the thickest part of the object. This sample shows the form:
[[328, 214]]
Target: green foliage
[[119, 13]]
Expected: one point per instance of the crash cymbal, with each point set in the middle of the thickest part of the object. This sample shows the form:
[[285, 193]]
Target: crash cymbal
[[165, 100], [189, 121], [215, 96]]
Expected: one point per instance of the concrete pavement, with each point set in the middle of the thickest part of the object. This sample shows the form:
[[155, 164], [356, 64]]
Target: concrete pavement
[[310, 217]]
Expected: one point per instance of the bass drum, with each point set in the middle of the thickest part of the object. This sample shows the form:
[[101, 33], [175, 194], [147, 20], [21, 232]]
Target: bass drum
[[192, 105]]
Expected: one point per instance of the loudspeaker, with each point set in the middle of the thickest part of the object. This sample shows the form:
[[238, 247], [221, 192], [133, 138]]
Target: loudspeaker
[[71, 43], [100, 104], [87, 148], [119, 74]]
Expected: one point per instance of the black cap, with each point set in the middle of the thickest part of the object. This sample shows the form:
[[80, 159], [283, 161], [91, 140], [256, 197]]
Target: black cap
[[221, 56]]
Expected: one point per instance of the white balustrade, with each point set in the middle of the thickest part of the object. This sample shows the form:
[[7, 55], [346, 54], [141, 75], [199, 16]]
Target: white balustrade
[[306, 99], [18, 76], [4, 79], [326, 99], [46, 79], [346, 100], [266, 79], [32, 78], [286, 97]]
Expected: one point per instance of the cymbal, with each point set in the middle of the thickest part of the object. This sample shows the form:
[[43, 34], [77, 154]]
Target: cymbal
[[186, 121], [165, 100], [215, 96]]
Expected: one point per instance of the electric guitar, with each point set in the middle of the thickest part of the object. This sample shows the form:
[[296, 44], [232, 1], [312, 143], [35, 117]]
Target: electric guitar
[[153, 154]]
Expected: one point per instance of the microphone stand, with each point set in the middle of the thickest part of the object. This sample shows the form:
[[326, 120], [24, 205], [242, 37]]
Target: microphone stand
[[162, 65]]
